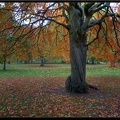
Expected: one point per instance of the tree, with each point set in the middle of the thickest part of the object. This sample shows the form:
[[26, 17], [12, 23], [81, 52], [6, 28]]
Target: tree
[[49, 44], [105, 48], [6, 39], [77, 18], [6, 50]]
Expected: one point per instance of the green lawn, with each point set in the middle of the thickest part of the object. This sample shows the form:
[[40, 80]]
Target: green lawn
[[34, 70], [97, 70]]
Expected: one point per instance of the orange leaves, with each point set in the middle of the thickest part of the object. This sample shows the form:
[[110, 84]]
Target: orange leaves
[[106, 42], [5, 15], [44, 41], [52, 42]]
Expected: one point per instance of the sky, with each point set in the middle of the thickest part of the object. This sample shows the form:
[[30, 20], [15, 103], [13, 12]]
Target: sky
[[27, 21]]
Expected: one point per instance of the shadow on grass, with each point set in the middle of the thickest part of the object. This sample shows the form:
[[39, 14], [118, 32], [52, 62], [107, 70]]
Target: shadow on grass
[[92, 94]]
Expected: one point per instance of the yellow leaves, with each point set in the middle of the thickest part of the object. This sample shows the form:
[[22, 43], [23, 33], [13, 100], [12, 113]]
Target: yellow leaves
[[97, 15]]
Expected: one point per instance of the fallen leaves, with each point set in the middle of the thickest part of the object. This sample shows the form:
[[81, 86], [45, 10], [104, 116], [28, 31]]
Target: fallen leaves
[[46, 97]]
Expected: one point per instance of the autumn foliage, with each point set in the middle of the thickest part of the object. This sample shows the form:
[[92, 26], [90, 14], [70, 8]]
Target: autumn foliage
[[105, 47], [52, 41]]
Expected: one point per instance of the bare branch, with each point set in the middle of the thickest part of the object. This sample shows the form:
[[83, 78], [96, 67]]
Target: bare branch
[[97, 36], [95, 22], [97, 7], [66, 26]]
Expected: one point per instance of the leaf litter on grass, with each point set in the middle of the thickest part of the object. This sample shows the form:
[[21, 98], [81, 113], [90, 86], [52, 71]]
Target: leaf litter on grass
[[46, 97]]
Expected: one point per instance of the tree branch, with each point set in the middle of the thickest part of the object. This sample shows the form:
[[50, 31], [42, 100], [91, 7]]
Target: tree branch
[[97, 36], [98, 7], [66, 26], [115, 33], [76, 5], [95, 22]]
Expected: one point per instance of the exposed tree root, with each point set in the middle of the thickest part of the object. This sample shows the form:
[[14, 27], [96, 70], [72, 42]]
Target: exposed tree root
[[77, 88], [93, 87]]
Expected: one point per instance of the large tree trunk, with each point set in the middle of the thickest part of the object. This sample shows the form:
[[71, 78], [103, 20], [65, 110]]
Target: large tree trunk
[[76, 81]]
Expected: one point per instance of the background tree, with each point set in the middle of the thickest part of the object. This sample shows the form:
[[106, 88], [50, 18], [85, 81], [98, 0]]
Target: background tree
[[50, 45], [11, 32], [6, 38], [105, 47]]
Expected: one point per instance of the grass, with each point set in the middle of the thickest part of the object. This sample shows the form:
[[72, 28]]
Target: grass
[[28, 90], [96, 70], [34, 70]]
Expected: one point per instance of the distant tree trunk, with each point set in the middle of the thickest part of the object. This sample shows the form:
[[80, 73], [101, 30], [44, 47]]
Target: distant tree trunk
[[42, 61], [93, 62], [20, 61], [112, 63], [76, 81], [118, 64], [62, 61], [4, 62], [28, 61], [25, 62], [17, 60]]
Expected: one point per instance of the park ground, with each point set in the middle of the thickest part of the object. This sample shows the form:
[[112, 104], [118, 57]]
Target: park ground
[[28, 90]]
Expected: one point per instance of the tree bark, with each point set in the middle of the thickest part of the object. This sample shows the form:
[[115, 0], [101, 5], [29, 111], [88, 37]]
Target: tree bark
[[4, 62], [76, 81], [42, 61]]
